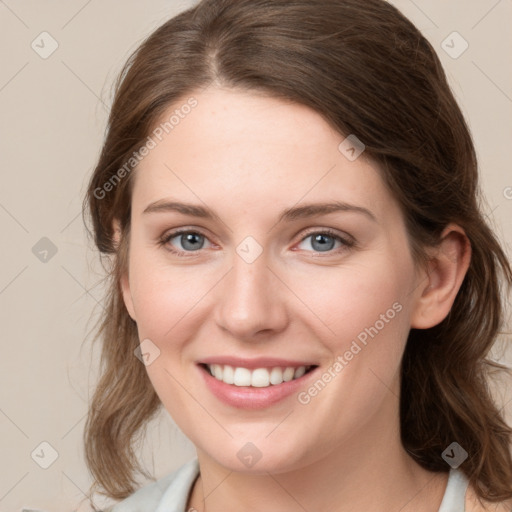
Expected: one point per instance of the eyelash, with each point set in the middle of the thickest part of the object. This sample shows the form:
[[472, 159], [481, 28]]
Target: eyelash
[[348, 243]]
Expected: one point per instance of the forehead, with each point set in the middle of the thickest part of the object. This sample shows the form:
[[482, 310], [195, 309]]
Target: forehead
[[239, 149]]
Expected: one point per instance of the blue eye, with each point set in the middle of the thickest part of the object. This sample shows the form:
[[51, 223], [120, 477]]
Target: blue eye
[[190, 240], [323, 241]]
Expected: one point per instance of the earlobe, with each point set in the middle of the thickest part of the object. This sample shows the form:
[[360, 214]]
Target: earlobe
[[127, 296], [116, 233], [437, 290], [124, 282]]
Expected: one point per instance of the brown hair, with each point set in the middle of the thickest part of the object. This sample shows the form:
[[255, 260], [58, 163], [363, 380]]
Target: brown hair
[[368, 71]]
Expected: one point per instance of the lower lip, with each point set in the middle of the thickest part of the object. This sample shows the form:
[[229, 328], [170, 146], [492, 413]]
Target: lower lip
[[248, 397]]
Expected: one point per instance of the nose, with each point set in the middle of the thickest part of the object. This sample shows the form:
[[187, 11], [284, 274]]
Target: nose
[[251, 300]]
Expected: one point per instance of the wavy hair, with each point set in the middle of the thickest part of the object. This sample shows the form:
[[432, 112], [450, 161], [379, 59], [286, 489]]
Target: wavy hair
[[368, 71]]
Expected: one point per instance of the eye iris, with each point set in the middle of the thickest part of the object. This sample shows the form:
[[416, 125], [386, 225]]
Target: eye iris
[[190, 238], [319, 238], [323, 246]]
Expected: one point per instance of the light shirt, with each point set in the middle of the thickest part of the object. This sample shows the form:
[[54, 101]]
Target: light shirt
[[170, 494]]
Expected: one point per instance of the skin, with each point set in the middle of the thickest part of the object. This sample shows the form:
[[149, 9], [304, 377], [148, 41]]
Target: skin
[[248, 157]]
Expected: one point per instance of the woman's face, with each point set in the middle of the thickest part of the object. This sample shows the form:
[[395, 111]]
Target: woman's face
[[267, 278]]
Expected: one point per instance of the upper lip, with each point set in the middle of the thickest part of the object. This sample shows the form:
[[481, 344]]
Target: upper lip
[[258, 362]]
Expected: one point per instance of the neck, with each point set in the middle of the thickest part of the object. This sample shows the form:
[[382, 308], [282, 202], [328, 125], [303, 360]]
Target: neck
[[369, 471]]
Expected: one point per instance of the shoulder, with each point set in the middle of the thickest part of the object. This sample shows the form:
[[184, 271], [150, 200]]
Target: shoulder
[[149, 497], [473, 504]]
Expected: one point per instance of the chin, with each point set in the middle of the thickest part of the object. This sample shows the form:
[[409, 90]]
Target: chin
[[258, 458]]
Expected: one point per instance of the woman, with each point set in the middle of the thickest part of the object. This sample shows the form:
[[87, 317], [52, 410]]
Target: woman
[[301, 273]]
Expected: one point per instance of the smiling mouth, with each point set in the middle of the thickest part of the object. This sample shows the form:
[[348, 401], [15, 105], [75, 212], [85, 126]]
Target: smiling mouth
[[258, 377]]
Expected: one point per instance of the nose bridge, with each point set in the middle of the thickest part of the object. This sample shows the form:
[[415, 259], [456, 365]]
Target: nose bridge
[[249, 300]]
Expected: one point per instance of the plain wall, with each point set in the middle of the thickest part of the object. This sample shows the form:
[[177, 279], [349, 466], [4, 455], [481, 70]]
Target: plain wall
[[52, 124]]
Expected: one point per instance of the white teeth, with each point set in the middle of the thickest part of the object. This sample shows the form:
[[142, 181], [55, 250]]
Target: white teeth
[[299, 372], [276, 376], [258, 378], [217, 371], [228, 374], [242, 377], [288, 374]]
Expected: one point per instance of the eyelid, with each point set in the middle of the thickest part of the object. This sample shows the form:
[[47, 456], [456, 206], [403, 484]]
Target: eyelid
[[347, 240], [169, 235], [342, 235]]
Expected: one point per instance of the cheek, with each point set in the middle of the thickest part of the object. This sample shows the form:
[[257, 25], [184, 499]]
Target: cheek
[[352, 300], [161, 295], [341, 304], [164, 301]]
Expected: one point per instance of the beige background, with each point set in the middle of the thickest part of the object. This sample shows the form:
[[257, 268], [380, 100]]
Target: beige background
[[52, 123]]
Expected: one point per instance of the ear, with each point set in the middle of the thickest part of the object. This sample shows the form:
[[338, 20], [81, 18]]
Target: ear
[[124, 281], [442, 280]]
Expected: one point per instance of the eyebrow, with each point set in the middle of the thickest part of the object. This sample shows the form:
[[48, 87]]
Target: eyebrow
[[290, 214]]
